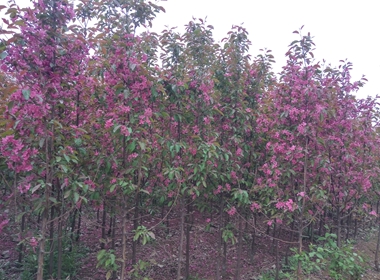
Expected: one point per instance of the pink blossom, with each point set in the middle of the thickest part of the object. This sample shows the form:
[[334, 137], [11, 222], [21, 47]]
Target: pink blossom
[[132, 156], [255, 206], [232, 211], [108, 124], [124, 130], [33, 243], [218, 190], [290, 205], [3, 223], [302, 194], [24, 188], [280, 205], [301, 128], [239, 152], [373, 213], [195, 129]]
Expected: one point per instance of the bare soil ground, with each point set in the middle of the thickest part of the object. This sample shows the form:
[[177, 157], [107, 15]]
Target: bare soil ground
[[162, 253]]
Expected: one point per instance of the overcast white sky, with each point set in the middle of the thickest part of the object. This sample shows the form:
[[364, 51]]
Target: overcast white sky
[[341, 29]]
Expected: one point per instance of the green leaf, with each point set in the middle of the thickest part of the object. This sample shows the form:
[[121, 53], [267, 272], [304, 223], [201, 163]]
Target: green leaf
[[116, 128], [66, 157], [19, 216], [26, 93], [67, 194], [142, 145], [64, 168], [76, 197], [36, 188], [3, 55], [78, 141], [132, 146]]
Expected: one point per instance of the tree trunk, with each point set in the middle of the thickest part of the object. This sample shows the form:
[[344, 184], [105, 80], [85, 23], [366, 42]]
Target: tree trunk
[[51, 238], [124, 240], [72, 235], [60, 236], [79, 224], [21, 246], [277, 260], [338, 228], [377, 250], [45, 214], [189, 224], [135, 226], [181, 237], [253, 241], [219, 245], [299, 267], [239, 250], [102, 245]]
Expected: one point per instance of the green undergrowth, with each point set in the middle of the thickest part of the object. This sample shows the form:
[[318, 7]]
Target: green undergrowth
[[72, 261], [323, 258]]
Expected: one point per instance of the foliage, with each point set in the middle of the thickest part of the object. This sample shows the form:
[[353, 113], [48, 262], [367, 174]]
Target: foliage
[[338, 262], [100, 114], [72, 261], [107, 260], [139, 269]]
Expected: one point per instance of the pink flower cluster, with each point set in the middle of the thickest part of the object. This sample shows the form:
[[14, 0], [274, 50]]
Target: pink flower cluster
[[232, 211], [255, 206], [287, 205], [19, 157]]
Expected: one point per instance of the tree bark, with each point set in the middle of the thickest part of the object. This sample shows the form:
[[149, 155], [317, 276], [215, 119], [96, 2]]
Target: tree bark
[[239, 250], [181, 237], [377, 250]]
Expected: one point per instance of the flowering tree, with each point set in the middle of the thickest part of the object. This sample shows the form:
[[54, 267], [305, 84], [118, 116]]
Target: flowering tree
[[97, 113]]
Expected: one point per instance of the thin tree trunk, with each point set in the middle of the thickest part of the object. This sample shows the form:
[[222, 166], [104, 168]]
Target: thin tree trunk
[[136, 214], [253, 240], [321, 222], [189, 222], [72, 230], [181, 237], [79, 223], [299, 267], [51, 238], [239, 250], [41, 251], [338, 228], [377, 250], [45, 214], [219, 248], [135, 226], [277, 260], [102, 245], [272, 249], [59, 240], [21, 246], [124, 240], [348, 226], [111, 222], [224, 259]]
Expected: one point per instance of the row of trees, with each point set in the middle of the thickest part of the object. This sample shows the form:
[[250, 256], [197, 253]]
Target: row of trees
[[99, 117]]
